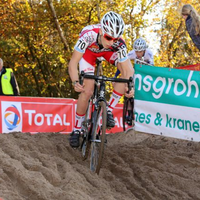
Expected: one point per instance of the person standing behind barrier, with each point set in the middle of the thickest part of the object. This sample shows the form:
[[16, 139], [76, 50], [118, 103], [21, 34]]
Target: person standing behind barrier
[[192, 21], [8, 83]]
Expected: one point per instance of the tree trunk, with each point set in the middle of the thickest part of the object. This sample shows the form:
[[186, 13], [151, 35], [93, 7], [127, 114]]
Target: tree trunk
[[61, 34]]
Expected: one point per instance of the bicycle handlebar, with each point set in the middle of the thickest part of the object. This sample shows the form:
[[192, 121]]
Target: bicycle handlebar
[[81, 77], [142, 62], [105, 78]]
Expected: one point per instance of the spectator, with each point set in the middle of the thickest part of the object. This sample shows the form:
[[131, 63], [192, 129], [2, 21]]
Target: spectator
[[8, 83], [192, 21]]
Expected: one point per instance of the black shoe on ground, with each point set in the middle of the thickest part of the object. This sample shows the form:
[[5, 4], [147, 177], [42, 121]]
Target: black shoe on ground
[[74, 139], [110, 120]]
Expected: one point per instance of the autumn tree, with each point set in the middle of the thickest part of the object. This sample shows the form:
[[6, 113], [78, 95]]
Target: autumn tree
[[31, 43], [176, 47]]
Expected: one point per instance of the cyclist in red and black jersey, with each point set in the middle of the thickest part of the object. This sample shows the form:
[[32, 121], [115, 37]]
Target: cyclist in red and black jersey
[[101, 40]]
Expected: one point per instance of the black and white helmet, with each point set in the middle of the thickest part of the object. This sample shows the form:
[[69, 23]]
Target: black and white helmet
[[112, 24], [140, 45]]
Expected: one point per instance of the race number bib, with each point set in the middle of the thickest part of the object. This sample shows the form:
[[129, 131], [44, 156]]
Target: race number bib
[[122, 55], [81, 45]]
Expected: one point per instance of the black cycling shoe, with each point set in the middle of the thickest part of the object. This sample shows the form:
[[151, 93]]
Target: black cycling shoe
[[129, 120], [110, 120], [74, 139]]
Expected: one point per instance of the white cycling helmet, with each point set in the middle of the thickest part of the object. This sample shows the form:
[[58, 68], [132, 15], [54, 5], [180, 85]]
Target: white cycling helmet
[[140, 45], [112, 24]]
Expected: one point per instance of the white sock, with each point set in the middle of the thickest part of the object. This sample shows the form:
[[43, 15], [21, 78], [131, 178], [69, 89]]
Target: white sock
[[114, 99], [78, 121]]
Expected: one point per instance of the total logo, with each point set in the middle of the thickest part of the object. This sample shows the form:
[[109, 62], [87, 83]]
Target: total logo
[[11, 116]]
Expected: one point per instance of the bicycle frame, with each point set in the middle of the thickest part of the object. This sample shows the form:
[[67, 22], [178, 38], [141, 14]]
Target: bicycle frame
[[94, 136]]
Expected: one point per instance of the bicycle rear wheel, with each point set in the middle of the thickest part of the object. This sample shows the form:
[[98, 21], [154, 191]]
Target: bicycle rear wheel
[[98, 137]]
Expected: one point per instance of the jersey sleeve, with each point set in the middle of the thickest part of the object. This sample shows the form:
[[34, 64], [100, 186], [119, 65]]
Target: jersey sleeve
[[81, 44], [132, 55], [122, 53], [150, 57]]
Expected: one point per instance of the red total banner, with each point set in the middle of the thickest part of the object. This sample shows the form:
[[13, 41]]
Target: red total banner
[[195, 67], [34, 115]]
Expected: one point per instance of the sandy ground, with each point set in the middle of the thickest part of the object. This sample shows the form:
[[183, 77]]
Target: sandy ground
[[135, 166]]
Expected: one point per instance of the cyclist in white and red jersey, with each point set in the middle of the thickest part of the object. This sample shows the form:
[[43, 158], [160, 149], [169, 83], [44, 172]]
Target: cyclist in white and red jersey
[[101, 40], [140, 52]]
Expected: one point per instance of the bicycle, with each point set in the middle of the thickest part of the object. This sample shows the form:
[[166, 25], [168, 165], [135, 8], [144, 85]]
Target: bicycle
[[128, 107], [94, 125], [128, 113]]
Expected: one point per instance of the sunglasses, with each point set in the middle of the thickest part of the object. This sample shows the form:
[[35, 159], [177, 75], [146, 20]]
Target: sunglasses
[[109, 38]]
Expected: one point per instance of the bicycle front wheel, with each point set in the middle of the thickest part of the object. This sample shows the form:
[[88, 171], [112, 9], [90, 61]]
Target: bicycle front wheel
[[86, 128], [125, 110], [128, 114], [98, 137]]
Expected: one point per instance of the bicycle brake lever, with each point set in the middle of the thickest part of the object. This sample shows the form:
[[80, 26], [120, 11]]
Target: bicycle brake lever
[[81, 77], [130, 84]]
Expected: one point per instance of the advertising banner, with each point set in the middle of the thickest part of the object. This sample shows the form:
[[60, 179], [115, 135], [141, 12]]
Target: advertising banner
[[195, 67], [167, 102], [117, 114], [26, 114], [34, 115]]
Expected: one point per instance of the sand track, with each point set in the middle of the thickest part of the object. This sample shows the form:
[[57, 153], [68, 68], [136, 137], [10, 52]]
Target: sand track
[[135, 166]]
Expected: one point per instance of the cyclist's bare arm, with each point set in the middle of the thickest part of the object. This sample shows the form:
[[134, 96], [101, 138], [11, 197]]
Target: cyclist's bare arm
[[73, 70], [127, 70]]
